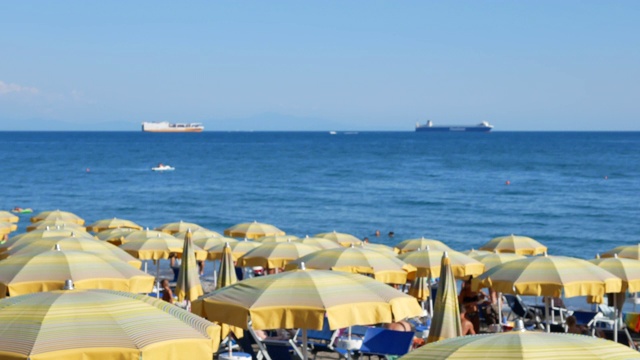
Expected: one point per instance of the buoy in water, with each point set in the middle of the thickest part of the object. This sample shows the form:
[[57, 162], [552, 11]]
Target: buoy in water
[[507, 182], [88, 170]]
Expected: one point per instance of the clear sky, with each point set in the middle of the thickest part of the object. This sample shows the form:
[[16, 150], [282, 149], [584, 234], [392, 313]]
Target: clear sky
[[320, 65]]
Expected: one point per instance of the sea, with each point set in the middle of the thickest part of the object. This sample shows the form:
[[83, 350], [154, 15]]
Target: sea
[[576, 192]]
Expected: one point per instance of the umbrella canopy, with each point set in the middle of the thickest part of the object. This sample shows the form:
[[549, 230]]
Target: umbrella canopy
[[277, 238], [57, 224], [341, 238], [549, 276], [521, 345], [379, 247], [6, 216], [227, 274], [114, 236], [143, 235], [238, 249], [208, 243], [42, 234], [276, 255], [114, 223], [626, 251], [302, 298], [385, 268], [180, 226], [252, 230], [188, 285], [102, 324], [157, 248], [48, 271], [322, 243], [446, 314], [520, 245], [428, 263], [491, 260], [628, 270], [7, 227], [197, 235], [421, 243], [473, 252], [58, 215], [420, 288]]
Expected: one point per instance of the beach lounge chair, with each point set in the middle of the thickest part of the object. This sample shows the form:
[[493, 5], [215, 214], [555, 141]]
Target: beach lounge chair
[[521, 310], [323, 340], [383, 343], [624, 337]]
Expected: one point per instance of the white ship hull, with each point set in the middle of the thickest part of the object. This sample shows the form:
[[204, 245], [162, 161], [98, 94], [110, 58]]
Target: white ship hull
[[171, 127]]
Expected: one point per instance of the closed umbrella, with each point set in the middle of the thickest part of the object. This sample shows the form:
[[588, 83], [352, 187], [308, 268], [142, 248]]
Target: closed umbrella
[[445, 323], [520, 245], [341, 238], [101, 324], [227, 275], [188, 285], [58, 215], [114, 223], [180, 226], [421, 243], [253, 230]]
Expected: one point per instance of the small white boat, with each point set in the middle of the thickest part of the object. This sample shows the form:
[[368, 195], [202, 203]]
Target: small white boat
[[332, 132], [163, 168]]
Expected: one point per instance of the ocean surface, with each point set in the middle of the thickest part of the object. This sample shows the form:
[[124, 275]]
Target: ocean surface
[[577, 193]]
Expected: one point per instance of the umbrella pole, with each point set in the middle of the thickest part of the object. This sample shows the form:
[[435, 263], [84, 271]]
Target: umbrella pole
[[553, 313], [305, 350], [146, 262], [500, 310], [615, 321], [546, 314], [215, 274], [157, 279], [430, 298]]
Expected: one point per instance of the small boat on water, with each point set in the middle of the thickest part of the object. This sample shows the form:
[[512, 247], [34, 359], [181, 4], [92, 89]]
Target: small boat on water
[[22, 211], [430, 127], [165, 126], [162, 167]]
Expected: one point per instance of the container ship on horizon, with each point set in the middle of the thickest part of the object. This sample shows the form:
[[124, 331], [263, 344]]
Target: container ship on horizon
[[482, 127], [165, 126]]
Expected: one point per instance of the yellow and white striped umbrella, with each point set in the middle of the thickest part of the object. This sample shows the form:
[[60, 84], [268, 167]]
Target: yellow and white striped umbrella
[[58, 215], [115, 223], [428, 263], [56, 224], [625, 251], [227, 274], [343, 239], [238, 249], [445, 323], [252, 230], [41, 234], [628, 270], [101, 324], [276, 255], [521, 345], [520, 245], [188, 285], [320, 242], [143, 235], [180, 226], [421, 243], [493, 259], [7, 228], [277, 238], [49, 270], [198, 235], [6, 216], [379, 247], [157, 248], [474, 253], [114, 236]]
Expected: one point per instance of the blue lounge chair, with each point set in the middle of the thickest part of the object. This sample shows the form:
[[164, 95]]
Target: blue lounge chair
[[382, 343], [322, 341]]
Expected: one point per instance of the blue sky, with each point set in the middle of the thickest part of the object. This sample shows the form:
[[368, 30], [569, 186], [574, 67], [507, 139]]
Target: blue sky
[[322, 65]]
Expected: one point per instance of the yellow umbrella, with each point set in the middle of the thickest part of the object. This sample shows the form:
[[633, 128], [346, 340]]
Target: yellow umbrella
[[101, 324], [188, 285], [520, 245], [493, 259], [208, 243], [6, 216], [143, 235], [180, 226], [428, 263], [252, 230], [518, 345], [320, 242], [276, 255], [227, 274], [420, 289], [421, 243], [41, 234], [384, 268], [341, 238], [48, 271], [445, 323], [379, 247], [628, 270], [114, 236], [626, 251], [238, 249], [277, 238], [474, 253], [7, 227], [197, 235], [157, 248], [115, 223], [58, 224], [58, 215]]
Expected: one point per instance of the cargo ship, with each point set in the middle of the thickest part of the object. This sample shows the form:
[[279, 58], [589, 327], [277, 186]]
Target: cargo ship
[[429, 126], [165, 126]]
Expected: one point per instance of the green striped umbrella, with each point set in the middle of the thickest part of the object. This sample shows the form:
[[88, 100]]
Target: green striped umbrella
[[445, 323], [227, 274], [341, 238], [421, 243], [253, 230], [101, 324], [115, 223], [58, 215], [521, 345], [48, 271], [180, 226], [114, 236], [188, 285], [520, 245], [276, 255], [322, 243]]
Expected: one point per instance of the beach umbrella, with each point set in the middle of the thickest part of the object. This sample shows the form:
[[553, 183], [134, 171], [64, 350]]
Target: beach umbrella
[[493, 259], [188, 285], [227, 274], [303, 298], [238, 249], [7, 227], [420, 289], [114, 236], [208, 243], [158, 248], [445, 323], [143, 235], [421, 243], [197, 235], [628, 270], [523, 345], [6, 216], [101, 324], [58, 215], [474, 253], [180, 226], [56, 224], [550, 276], [41, 234], [252, 230], [48, 270], [428, 263], [520, 245], [320, 242], [379, 247], [341, 238], [275, 255], [385, 268], [277, 238], [625, 251], [115, 223]]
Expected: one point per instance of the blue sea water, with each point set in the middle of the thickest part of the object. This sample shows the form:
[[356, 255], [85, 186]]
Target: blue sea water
[[578, 193]]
